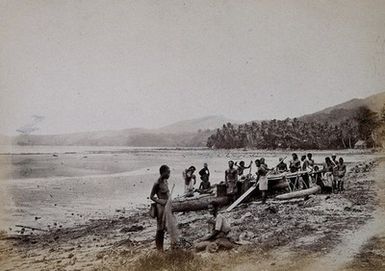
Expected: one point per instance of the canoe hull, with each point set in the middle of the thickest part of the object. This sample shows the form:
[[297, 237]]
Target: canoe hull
[[299, 194]]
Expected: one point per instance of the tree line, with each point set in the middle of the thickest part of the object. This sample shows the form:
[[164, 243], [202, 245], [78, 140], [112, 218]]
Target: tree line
[[294, 133]]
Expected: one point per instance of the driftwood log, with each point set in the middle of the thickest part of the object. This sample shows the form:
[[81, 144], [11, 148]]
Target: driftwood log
[[196, 204]]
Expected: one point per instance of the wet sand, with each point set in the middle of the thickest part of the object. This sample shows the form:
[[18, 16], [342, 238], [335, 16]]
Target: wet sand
[[274, 236]]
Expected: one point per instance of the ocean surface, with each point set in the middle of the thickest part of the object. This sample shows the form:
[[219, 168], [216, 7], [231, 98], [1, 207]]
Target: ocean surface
[[51, 186]]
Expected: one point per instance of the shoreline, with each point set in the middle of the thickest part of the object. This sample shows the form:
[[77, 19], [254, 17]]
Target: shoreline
[[311, 226], [104, 149]]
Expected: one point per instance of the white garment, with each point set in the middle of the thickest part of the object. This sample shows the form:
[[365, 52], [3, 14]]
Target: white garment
[[263, 183]]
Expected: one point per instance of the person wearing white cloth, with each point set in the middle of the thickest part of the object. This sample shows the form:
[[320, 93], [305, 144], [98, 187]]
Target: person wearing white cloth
[[262, 170]]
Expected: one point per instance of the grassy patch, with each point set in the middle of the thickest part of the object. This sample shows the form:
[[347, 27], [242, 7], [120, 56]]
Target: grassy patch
[[176, 260]]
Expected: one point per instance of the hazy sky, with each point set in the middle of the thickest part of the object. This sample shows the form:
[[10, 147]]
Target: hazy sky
[[92, 65]]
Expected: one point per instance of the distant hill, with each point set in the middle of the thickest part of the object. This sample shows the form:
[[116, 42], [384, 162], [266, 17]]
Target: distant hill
[[193, 125], [343, 111], [98, 138], [189, 133]]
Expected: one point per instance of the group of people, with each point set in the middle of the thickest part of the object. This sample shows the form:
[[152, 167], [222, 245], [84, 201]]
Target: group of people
[[190, 180], [330, 175], [160, 194]]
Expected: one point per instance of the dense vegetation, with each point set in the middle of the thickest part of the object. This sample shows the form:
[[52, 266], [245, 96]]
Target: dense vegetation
[[301, 134]]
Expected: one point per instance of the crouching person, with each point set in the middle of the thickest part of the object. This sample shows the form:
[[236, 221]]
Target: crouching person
[[218, 237]]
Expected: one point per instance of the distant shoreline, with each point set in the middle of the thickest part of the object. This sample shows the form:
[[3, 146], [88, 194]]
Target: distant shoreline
[[92, 149]]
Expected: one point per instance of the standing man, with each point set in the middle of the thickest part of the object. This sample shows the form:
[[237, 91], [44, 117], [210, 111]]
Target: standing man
[[295, 166], [305, 165], [311, 165], [310, 160], [334, 159], [160, 195], [243, 181], [189, 181], [231, 178], [281, 167], [341, 174], [335, 172], [328, 172], [241, 167], [263, 183]]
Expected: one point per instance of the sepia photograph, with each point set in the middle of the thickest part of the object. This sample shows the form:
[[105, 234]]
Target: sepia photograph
[[198, 135]]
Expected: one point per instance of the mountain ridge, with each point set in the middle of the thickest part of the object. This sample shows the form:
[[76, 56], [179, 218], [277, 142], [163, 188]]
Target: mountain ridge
[[342, 111], [189, 133]]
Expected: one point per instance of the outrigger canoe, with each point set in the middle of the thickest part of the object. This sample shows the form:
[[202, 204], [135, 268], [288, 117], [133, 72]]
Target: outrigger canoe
[[280, 181], [286, 175]]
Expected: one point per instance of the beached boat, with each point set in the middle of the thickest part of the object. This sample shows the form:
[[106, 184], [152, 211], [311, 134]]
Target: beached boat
[[201, 202], [286, 175], [299, 194], [280, 181]]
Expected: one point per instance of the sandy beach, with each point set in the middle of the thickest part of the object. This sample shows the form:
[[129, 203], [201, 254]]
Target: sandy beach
[[109, 108], [89, 211]]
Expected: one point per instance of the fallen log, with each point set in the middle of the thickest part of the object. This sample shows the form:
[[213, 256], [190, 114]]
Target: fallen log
[[196, 204], [299, 194]]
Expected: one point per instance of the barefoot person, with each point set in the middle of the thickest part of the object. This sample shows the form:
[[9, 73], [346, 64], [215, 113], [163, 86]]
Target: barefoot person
[[295, 163], [281, 167], [295, 166], [335, 172], [160, 195], [205, 185], [243, 178], [205, 173], [305, 167], [189, 181], [262, 170], [311, 165], [231, 178], [327, 170], [241, 168], [218, 237], [341, 174], [310, 160], [334, 159]]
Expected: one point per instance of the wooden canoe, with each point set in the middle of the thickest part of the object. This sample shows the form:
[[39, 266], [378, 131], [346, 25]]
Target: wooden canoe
[[300, 193], [286, 175]]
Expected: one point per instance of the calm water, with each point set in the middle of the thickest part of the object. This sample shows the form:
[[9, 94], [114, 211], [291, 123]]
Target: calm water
[[81, 183]]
